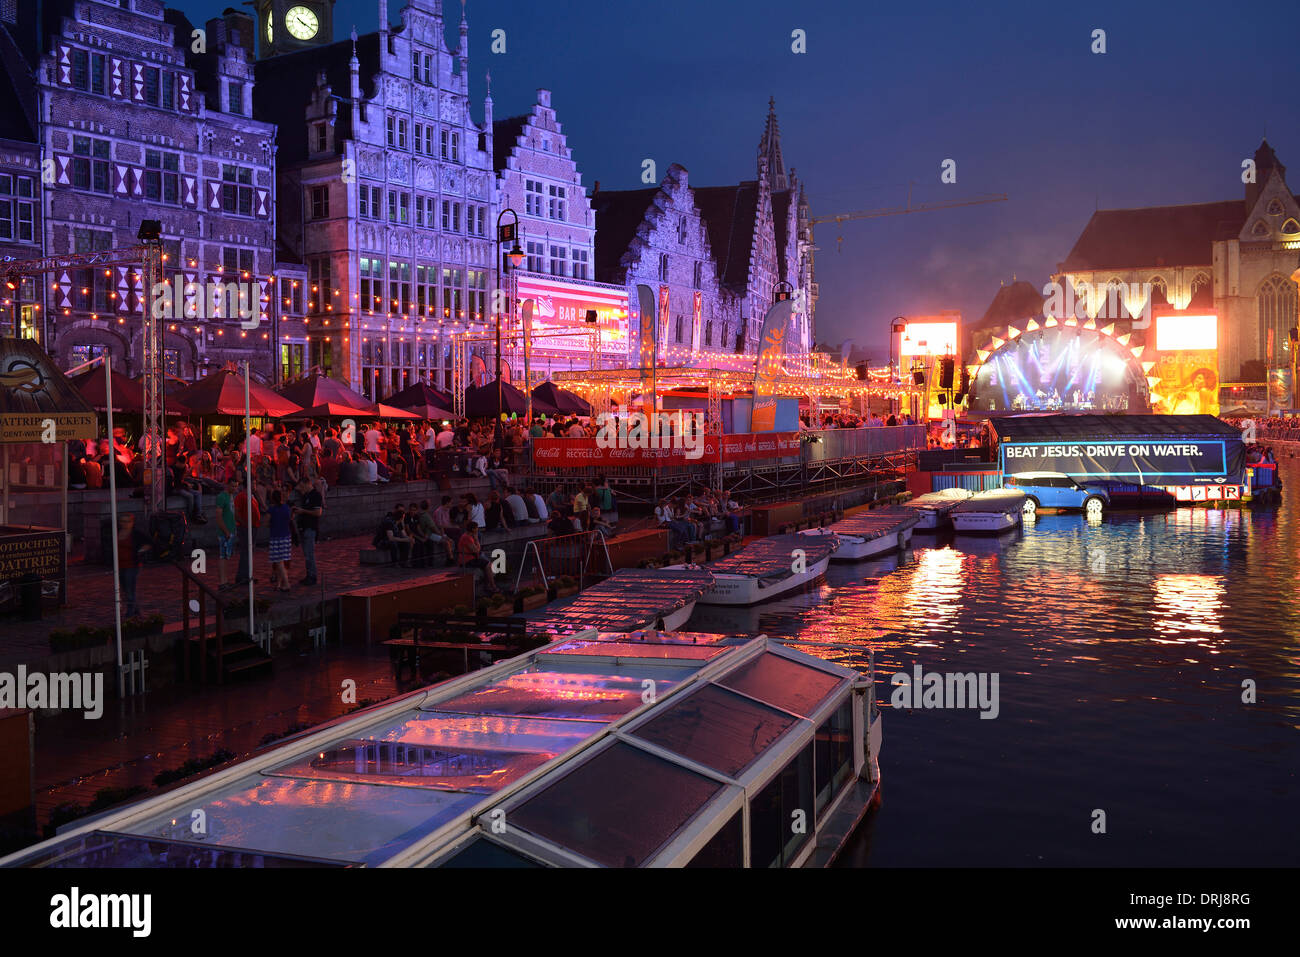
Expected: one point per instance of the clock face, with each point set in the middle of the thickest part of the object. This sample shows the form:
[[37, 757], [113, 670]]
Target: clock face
[[301, 22], [270, 33]]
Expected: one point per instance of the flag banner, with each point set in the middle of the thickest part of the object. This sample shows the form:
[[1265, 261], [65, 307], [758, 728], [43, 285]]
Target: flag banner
[[767, 367], [647, 315]]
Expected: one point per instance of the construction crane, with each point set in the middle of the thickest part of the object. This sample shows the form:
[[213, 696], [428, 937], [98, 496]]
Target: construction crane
[[977, 200], [148, 255]]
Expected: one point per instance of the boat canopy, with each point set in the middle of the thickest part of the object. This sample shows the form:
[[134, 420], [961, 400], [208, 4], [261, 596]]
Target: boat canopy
[[601, 749]]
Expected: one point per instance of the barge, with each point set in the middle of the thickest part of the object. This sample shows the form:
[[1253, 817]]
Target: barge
[[870, 533], [598, 750], [768, 567]]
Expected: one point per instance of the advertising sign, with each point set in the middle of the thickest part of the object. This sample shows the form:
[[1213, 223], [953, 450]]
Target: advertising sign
[[581, 453], [1187, 366], [562, 305], [1154, 461], [767, 367], [36, 553]]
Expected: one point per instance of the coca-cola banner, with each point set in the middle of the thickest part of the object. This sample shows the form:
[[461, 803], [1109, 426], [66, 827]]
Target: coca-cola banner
[[582, 453]]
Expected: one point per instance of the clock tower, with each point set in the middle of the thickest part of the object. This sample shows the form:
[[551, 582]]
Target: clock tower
[[285, 26]]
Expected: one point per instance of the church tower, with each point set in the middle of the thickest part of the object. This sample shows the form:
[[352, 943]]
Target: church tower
[[769, 148]]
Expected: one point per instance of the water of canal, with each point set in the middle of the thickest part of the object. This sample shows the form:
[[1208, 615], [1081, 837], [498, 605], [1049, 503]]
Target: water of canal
[[1121, 649]]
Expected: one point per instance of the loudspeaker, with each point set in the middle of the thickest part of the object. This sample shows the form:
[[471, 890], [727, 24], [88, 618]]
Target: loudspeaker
[[918, 377], [860, 370], [591, 315], [945, 374]]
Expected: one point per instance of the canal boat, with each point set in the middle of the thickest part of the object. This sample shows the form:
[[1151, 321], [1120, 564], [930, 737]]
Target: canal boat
[[997, 510], [630, 599], [597, 750], [767, 568], [934, 508], [870, 533]]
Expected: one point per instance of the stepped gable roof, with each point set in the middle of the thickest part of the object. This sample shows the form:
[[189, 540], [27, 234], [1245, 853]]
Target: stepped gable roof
[[284, 86], [729, 213], [619, 214], [505, 137], [1154, 236]]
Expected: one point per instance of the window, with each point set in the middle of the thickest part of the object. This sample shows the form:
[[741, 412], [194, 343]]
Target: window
[[17, 208], [397, 132], [451, 145], [681, 232], [557, 260], [235, 98], [152, 85], [91, 241], [477, 293], [663, 267], [426, 290], [1276, 307], [532, 197], [322, 356], [292, 356], [580, 264], [291, 297], [833, 754], [772, 841], [555, 204], [699, 274], [452, 302], [320, 202], [320, 136], [399, 207], [167, 97], [81, 69], [708, 333], [89, 167], [678, 331], [162, 176], [399, 288], [237, 189], [421, 66], [450, 216], [372, 284], [236, 260], [480, 221], [371, 203], [97, 63], [534, 261], [419, 138], [82, 353], [319, 275]]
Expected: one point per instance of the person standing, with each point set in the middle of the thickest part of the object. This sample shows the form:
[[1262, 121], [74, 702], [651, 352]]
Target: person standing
[[226, 528], [310, 507], [281, 540], [469, 554], [246, 531], [131, 542]]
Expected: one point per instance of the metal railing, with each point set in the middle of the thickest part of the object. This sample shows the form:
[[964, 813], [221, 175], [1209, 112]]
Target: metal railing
[[205, 594], [582, 556]]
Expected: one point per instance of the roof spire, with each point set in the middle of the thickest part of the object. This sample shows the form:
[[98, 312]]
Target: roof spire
[[769, 148]]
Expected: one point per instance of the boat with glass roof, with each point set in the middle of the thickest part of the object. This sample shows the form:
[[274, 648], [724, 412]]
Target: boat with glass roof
[[767, 568], [597, 750], [996, 510], [933, 508], [869, 533]]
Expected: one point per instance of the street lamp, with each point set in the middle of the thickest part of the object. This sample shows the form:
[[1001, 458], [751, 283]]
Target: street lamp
[[783, 295], [506, 233]]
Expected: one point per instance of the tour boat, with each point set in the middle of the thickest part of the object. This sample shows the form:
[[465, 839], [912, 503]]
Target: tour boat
[[596, 750], [871, 533], [630, 599], [997, 510], [767, 568], [933, 508]]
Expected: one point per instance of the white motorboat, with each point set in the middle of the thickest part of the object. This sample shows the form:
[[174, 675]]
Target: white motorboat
[[767, 568], [997, 510], [933, 508], [871, 533]]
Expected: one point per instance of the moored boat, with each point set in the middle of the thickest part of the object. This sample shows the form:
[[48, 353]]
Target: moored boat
[[767, 568], [934, 508], [870, 533], [997, 510]]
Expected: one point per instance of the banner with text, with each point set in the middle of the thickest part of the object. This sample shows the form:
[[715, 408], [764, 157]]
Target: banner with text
[[1153, 461], [581, 453]]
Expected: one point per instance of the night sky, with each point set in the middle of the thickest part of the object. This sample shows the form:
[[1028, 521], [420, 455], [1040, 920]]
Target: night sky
[[1011, 91]]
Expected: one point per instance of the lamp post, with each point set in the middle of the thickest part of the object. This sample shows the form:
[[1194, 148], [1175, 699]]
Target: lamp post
[[506, 233], [14, 283]]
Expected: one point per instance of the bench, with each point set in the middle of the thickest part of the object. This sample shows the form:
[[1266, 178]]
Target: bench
[[379, 556], [407, 652]]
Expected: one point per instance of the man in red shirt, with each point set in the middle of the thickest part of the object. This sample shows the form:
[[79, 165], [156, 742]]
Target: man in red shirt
[[242, 526], [469, 554]]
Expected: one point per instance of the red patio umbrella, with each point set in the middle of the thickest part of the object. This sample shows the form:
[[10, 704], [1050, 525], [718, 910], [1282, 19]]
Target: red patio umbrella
[[314, 390], [222, 393], [421, 393], [332, 410], [128, 394], [381, 411]]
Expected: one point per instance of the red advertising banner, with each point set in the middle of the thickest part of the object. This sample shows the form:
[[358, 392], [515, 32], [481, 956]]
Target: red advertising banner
[[581, 453]]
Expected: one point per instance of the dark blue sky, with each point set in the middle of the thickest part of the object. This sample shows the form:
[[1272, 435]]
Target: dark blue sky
[[1011, 91]]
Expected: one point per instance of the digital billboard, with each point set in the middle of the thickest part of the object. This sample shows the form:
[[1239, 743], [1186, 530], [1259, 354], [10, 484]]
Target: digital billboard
[[930, 336], [561, 306], [1187, 365]]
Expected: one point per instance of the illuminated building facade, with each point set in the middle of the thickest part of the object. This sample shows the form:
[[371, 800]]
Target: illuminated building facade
[[386, 186], [140, 126], [1232, 259], [713, 254], [20, 181]]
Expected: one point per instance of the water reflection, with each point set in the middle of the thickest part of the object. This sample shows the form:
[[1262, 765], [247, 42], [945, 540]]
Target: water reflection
[[1188, 606]]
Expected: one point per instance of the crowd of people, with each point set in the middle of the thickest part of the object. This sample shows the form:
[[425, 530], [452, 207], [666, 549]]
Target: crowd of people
[[849, 420], [689, 517]]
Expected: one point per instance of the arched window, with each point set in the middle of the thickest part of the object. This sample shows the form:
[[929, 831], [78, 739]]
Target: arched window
[[663, 267], [1275, 208], [1202, 291], [1159, 292], [1290, 228], [1260, 229], [1275, 304]]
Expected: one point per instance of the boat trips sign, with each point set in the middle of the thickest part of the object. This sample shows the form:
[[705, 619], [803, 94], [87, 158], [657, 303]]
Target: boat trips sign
[[1146, 461]]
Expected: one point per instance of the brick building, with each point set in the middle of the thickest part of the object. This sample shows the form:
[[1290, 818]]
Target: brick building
[[145, 118], [385, 188], [20, 178]]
